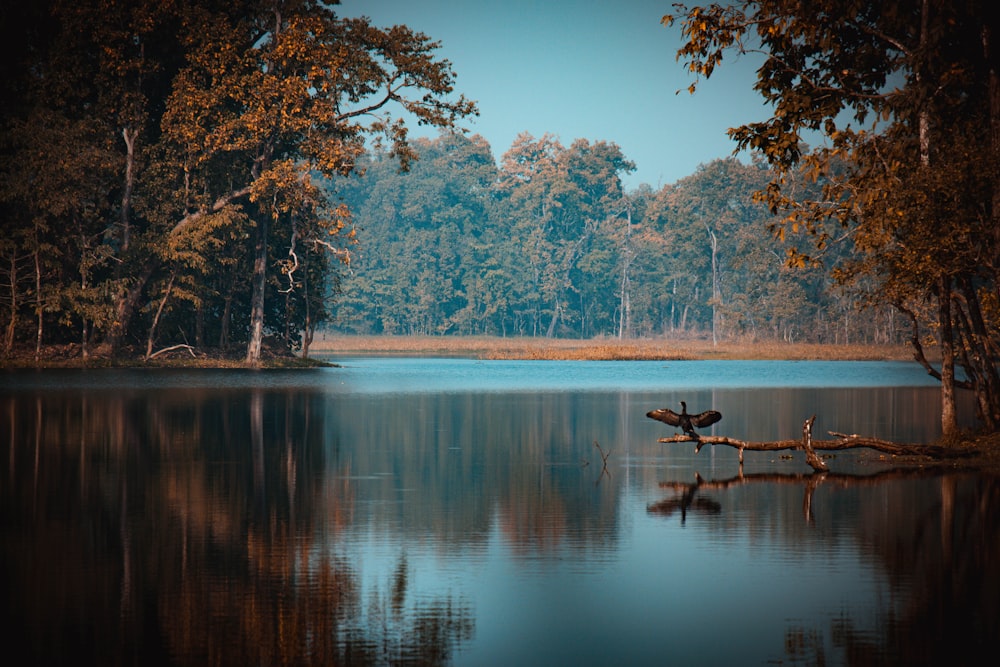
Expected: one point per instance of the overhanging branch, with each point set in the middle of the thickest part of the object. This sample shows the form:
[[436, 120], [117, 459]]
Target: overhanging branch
[[220, 203]]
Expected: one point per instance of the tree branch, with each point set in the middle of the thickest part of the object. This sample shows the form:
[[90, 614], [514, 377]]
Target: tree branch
[[807, 444], [918, 349], [219, 204], [173, 347]]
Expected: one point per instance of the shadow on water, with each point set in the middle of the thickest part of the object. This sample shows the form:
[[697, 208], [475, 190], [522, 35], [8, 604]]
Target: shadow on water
[[271, 523]]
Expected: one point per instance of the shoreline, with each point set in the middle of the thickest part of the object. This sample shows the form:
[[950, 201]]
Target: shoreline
[[983, 450], [600, 349], [327, 348]]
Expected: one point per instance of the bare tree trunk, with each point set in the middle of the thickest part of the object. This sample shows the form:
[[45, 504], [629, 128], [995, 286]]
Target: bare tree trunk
[[84, 279], [552, 324], [715, 285], [949, 420], [156, 318], [625, 323], [257, 299], [8, 339], [923, 120], [130, 136], [309, 327], [39, 303], [287, 334]]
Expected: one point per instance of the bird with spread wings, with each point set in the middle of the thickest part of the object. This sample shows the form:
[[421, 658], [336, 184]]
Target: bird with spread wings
[[685, 421]]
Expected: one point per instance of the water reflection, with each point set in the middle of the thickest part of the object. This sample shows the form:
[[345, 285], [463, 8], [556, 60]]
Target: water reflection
[[178, 527], [936, 536], [287, 522]]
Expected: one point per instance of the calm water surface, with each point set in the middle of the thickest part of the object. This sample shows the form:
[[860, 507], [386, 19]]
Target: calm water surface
[[428, 511]]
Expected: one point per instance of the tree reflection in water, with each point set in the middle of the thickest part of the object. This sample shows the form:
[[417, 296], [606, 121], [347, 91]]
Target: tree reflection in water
[[228, 571], [941, 554], [161, 523]]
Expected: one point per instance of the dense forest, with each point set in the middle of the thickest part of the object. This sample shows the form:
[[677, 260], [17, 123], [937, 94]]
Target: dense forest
[[231, 176], [164, 166], [549, 244]]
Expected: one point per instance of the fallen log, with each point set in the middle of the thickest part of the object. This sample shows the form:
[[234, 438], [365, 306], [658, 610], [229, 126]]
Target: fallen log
[[810, 446], [180, 346]]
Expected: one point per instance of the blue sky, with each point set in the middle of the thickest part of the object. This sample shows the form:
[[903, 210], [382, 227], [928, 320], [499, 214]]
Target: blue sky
[[600, 70]]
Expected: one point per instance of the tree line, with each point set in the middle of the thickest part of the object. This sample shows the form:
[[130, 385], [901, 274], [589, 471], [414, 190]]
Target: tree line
[[547, 242]]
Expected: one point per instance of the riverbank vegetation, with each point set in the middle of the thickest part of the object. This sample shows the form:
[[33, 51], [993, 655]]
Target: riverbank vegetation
[[600, 349]]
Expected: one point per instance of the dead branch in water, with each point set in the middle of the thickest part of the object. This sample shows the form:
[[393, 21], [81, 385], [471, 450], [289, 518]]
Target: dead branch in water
[[604, 458], [810, 446]]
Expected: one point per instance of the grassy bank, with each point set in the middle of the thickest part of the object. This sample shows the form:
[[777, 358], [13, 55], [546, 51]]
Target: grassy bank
[[482, 347], [476, 347]]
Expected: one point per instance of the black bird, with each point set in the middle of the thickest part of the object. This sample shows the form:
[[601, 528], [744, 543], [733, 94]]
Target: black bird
[[684, 420]]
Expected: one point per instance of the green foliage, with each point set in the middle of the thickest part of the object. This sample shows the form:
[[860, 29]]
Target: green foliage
[[456, 245]]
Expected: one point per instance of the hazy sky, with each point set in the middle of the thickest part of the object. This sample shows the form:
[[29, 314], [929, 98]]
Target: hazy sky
[[603, 70]]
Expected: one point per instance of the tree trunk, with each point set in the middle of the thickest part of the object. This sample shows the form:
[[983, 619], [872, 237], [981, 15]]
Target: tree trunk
[[984, 368], [257, 300], [156, 318], [949, 420], [130, 136], [39, 303], [625, 305], [715, 284], [199, 324], [8, 339], [992, 57], [227, 314], [550, 332], [125, 307], [991, 28], [310, 328], [287, 334]]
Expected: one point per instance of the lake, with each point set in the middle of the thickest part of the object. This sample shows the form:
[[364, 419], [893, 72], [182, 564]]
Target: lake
[[460, 512]]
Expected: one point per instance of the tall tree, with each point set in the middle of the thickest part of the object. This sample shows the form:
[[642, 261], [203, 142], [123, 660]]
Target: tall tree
[[903, 98], [296, 97], [558, 202]]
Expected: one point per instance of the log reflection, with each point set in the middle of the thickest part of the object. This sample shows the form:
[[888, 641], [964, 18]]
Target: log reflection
[[684, 498]]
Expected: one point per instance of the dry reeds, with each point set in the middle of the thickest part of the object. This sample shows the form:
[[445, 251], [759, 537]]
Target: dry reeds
[[598, 349]]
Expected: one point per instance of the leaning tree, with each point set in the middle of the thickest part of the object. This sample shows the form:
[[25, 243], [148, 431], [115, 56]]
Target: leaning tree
[[901, 101]]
